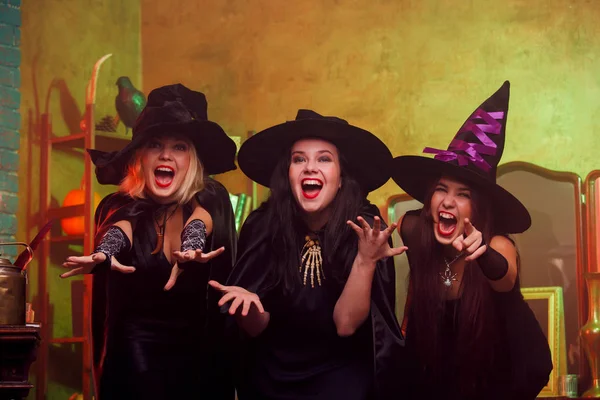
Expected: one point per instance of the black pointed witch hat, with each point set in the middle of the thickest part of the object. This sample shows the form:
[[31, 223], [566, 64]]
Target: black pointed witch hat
[[472, 156]]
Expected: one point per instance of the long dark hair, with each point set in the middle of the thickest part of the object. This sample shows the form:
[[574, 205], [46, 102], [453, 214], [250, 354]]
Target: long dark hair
[[476, 331], [288, 229]]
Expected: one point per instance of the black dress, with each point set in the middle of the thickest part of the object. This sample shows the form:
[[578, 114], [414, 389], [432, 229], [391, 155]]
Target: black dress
[[521, 355], [163, 344], [300, 355]]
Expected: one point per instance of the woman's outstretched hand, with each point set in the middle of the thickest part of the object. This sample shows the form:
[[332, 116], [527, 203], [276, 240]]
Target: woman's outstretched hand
[[238, 297], [181, 257], [80, 265], [471, 242], [373, 242], [196, 255]]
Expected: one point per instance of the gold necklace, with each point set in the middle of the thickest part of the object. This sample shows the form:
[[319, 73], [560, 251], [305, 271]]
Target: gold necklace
[[311, 261]]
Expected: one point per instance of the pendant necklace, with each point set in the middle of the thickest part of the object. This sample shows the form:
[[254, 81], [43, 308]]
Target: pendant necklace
[[448, 277], [312, 261], [160, 232]]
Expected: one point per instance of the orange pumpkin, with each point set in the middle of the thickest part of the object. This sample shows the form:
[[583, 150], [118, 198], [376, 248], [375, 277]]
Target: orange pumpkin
[[75, 225]]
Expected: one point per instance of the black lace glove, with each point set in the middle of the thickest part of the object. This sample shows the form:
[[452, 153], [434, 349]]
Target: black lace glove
[[193, 236], [113, 243]]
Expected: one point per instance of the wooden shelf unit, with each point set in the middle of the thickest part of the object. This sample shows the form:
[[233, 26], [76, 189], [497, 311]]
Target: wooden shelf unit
[[87, 139]]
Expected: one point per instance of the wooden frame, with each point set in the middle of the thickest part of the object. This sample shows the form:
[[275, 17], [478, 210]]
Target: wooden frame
[[591, 204], [580, 227], [390, 203], [401, 287], [555, 331], [49, 144]]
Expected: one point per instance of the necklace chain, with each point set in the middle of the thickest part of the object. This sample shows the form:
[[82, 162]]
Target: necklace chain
[[160, 234], [165, 217], [448, 277]]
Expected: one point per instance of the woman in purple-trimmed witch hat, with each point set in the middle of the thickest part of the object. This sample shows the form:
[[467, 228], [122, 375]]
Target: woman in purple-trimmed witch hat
[[469, 332], [156, 334]]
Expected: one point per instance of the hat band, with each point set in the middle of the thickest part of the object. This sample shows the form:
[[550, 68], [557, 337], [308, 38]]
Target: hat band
[[463, 151]]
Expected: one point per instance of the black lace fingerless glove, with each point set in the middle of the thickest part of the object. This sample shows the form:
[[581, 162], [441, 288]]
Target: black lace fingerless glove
[[113, 243], [493, 264], [193, 236]]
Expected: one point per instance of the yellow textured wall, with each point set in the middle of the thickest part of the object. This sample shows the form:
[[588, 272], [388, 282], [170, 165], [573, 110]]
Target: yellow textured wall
[[410, 71], [60, 42]]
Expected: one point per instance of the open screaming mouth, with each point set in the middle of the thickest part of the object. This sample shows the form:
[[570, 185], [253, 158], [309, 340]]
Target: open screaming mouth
[[163, 176], [447, 223], [311, 188]]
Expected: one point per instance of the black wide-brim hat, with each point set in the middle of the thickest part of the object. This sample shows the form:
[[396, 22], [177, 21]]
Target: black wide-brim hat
[[368, 158], [176, 110], [472, 157]]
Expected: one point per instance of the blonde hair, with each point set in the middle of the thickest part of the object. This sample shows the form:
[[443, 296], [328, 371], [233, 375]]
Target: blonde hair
[[134, 183]]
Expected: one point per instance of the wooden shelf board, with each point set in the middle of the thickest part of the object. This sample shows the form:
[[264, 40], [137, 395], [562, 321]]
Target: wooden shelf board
[[65, 212], [67, 238], [67, 340], [105, 141], [68, 139]]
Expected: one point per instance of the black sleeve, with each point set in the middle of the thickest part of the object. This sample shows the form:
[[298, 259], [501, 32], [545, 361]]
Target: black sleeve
[[106, 215], [214, 198], [388, 342], [253, 264], [385, 274], [493, 264]]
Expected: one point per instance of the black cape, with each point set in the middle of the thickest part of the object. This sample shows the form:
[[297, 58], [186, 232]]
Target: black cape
[[250, 273], [214, 198]]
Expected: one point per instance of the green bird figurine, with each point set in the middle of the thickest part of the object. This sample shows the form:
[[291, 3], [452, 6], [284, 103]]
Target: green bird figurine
[[129, 102]]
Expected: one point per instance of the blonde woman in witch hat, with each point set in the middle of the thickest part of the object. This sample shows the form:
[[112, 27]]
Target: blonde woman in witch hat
[[469, 333], [312, 291], [157, 332]]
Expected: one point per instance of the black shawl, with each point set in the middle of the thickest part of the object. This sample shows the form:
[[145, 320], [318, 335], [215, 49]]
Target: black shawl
[[250, 273], [214, 198]]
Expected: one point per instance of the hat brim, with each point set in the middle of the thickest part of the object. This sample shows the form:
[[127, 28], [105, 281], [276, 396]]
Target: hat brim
[[368, 158], [416, 174], [214, 148]]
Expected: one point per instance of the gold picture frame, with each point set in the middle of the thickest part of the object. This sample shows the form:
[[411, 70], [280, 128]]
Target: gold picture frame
[[547, 305]]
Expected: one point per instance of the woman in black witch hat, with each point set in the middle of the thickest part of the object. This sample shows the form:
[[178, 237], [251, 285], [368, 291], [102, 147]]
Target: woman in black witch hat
[[312, 291], [156, 334], [469, 333]]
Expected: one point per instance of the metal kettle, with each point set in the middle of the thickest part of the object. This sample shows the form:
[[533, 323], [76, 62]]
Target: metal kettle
[[13, 286]]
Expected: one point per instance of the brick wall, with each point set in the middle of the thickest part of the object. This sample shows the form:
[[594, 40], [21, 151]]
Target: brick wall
[[10, 119]]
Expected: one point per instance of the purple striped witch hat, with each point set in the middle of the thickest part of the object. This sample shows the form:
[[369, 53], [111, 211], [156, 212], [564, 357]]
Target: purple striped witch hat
[[472, 157]]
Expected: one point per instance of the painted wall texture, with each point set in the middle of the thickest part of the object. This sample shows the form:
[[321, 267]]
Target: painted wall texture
[[409, 71], [10, 120], [60, 42]]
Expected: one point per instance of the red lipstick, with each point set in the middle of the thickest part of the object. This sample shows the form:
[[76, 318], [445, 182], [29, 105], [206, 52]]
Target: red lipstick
[[315, 186]]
